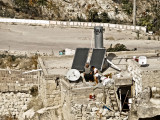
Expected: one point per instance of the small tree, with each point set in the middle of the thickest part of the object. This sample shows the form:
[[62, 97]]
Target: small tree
[[93, 16], [104, 17]]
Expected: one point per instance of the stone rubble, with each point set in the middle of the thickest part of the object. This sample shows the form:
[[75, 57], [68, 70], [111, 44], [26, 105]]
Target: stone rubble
[[92, 111], [13, 103]]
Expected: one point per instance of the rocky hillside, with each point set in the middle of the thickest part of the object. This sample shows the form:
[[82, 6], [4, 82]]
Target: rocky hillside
[[113, 11]]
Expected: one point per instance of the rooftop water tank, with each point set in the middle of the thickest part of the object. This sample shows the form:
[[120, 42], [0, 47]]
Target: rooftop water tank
[[98, 36], [142, 60]]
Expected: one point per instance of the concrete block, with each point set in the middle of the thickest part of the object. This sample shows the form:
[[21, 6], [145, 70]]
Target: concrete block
[[85, 24], [106, 25], [75, 23], [112, 25], [143, 29], [58, 22], [97, 24], [137, 27], [64, 23], [89, 24], [93, 24], [79, 23], [71, 23], [132, 27], [82, 23], [128, 27]]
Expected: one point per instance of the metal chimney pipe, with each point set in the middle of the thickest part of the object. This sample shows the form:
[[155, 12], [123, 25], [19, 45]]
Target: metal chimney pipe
[[98, 36]]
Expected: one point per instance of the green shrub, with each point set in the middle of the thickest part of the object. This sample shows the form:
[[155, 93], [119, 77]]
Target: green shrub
[[127, 6], [34, 91], [104, 17], [118, 47], [93, 16]]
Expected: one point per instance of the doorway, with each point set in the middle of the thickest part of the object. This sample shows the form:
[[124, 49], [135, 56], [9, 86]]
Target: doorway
[[124, 94]]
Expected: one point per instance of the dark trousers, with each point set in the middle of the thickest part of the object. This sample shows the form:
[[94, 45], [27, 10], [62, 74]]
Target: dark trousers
[[89, 77]]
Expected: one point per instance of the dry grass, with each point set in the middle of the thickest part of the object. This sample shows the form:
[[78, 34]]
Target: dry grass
[[18, 62], [9, 117]]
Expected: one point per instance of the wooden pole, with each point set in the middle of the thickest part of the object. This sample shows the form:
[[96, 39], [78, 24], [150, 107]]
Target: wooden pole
[[125, 99], [134, 13], [120, 107]]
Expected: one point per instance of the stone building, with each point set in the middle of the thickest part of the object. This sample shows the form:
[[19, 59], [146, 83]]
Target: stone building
[[123, 96], [146, 86], [145, 76], [131, 92], [73, 97]]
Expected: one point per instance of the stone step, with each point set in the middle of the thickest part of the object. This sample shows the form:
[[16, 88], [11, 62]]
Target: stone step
[[113, 99], [115, 108], [103, 118], [114, 103], [111, 92], [112, 96], [112, 88]]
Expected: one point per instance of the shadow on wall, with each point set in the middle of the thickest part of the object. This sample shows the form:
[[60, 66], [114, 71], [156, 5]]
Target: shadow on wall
[[152, 118]]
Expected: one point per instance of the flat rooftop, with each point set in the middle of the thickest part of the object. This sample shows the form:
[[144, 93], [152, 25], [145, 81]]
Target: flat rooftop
[[59, 65], [56, 65], [153, 64]]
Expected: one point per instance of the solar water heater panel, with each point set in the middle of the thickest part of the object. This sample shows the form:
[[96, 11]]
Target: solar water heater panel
[[80, 58], [97, 58]]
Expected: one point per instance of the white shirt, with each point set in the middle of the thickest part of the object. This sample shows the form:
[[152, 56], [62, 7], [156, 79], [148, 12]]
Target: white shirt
[[95, 70]]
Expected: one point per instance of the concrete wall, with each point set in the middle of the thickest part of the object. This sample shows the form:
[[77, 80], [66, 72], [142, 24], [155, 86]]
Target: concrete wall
[[14, 80], [72, 24]]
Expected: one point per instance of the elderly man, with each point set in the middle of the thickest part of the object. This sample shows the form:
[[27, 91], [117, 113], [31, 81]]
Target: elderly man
[[87, 73]]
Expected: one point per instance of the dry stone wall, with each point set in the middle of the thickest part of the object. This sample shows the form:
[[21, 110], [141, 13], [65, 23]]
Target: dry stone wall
[[14, 91], [13, 104], [143, 78], [49, 89], [14, 80], [133, 68], [155, 92], [77, 105], [151, 78]]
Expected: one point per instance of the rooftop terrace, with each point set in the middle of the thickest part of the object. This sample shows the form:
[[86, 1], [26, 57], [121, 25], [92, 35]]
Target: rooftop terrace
[[57, 65]]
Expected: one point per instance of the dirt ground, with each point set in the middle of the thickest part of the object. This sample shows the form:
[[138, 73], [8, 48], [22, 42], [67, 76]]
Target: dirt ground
[[48, 39]]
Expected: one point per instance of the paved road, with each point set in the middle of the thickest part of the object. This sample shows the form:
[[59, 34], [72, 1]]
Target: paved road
[[43, 39]]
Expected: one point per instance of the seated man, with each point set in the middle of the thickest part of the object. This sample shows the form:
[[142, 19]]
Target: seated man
[[87, 73], [95, 74]]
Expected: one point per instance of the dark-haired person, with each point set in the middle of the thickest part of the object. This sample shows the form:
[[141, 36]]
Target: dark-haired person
[[87, 72]]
